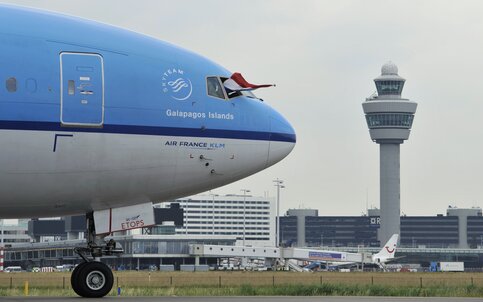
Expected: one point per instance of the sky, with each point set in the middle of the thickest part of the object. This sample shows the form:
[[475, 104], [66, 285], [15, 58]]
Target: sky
[[323, 56]]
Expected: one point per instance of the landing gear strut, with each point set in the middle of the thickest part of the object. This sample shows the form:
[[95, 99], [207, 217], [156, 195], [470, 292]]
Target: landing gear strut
[[92, 278]]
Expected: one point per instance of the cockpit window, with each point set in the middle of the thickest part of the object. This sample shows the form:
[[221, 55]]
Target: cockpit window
[[215, 88]]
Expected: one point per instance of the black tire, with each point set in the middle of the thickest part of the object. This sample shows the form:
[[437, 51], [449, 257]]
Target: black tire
[[74, 277], [94, 280]]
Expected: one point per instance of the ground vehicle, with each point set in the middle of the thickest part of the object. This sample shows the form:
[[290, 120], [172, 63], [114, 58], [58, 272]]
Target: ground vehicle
[[13, 269], [447, 267]]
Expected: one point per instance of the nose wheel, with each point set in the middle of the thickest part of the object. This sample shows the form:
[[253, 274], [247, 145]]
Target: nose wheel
[[92, 279]]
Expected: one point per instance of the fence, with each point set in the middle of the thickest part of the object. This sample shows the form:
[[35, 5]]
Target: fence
[[234, 279]]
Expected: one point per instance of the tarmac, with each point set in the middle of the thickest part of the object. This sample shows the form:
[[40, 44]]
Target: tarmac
[[246, 299]]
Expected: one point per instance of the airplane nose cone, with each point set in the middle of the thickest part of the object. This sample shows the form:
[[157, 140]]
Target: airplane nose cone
[[282, 139]]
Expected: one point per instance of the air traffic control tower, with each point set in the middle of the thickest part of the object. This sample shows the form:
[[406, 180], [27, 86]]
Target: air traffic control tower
[[389, 118]]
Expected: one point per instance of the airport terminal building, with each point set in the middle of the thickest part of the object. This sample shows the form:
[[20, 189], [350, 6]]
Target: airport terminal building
[[459, 228], [14, 232], [456, 236]]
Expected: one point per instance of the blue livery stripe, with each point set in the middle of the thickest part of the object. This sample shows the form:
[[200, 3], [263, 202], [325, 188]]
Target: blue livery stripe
[[151, 130]]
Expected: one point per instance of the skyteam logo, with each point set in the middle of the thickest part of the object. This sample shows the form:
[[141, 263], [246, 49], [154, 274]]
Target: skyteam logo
[[176, 84]]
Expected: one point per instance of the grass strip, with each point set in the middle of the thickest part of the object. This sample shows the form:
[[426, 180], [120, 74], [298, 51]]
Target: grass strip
[[286, 290]]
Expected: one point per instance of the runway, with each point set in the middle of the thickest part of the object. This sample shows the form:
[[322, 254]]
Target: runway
[[246, 299]]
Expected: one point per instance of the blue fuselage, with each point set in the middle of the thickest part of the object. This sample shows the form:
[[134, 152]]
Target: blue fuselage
[[136, 70]]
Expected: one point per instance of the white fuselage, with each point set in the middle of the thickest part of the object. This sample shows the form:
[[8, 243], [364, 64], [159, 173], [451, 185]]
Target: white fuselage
[[91, 171]]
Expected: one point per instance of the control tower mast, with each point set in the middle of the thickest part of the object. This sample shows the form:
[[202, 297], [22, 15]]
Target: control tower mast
[[389, 118]]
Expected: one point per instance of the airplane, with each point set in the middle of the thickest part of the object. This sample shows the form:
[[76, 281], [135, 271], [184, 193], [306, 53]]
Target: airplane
[[103, 121], [385, 255]]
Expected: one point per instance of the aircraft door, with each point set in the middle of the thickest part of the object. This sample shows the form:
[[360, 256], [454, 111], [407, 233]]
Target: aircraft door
[[82, 89]]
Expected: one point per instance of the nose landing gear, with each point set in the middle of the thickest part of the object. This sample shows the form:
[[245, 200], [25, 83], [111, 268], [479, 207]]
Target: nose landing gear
[[92, 278]]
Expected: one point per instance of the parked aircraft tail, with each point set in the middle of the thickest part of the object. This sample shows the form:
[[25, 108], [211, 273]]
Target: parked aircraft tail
[[387, 252]]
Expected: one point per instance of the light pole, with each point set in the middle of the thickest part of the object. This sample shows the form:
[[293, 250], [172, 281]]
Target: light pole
[[212, 212], [281, 236], [185, 214], [245, 191], [1, 238], [279, 185]]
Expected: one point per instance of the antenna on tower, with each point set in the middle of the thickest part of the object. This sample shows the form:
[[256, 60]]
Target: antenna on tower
[[372, 96]]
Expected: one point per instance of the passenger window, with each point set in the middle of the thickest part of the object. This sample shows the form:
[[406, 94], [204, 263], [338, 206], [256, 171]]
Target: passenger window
[[11, 84], [71, 87], [214, 87]]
